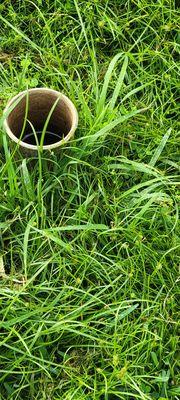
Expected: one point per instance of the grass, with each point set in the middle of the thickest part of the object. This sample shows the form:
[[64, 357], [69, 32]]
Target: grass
[[90, 237]]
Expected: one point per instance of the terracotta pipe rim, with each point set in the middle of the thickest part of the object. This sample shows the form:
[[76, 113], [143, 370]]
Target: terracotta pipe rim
[[45, 147]]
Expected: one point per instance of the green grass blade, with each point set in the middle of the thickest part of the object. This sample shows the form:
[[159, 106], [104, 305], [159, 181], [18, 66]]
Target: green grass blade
[[19, 32], [107, 78], [27, 181], [136, 90], [85, 227], [160, 148], [102, 133], [47, 122], [12, 179], [119, 84]]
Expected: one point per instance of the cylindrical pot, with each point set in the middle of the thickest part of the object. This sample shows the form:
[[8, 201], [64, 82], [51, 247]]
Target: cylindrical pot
[[40, 113]]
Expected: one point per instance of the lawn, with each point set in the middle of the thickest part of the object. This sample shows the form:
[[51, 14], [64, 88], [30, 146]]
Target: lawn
[[90, 236]]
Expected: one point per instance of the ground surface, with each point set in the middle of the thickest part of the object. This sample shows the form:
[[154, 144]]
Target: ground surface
[[89, 238]]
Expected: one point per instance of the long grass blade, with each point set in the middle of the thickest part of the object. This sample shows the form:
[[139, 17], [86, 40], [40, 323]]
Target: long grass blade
[[160, 148], [119, 84], [107, 78]]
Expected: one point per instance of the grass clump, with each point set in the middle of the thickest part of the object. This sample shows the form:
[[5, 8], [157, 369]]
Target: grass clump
[[90, 237]]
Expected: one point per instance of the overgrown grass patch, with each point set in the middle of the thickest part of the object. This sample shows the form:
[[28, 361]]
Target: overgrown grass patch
[[90, 236]]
